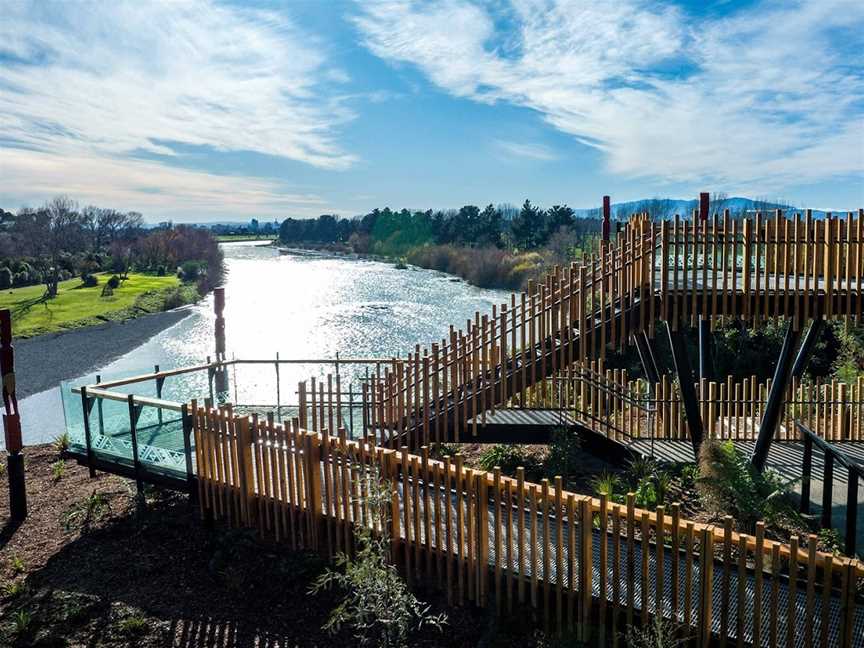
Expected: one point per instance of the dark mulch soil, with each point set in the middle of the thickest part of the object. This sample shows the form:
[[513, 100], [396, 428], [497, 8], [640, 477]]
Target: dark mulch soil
[[161, 577]]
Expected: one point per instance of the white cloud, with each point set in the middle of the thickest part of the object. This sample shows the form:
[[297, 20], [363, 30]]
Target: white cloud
[[98, 82], [765, 99], [154, 189], [529, 150]]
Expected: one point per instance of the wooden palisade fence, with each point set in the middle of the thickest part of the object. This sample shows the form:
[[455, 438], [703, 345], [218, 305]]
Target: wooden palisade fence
[[677, 271], [587, 564]]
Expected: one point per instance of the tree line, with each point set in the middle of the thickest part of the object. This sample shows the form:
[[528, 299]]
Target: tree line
[[388, 232], [59, 240]]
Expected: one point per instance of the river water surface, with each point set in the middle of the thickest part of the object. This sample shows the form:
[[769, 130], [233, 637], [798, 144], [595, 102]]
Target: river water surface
[[300, 305]]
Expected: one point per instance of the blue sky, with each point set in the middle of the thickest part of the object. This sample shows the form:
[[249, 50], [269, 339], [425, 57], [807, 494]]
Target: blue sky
[[200, 111]]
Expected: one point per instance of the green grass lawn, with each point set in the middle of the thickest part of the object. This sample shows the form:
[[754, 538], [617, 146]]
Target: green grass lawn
[[77, 306]]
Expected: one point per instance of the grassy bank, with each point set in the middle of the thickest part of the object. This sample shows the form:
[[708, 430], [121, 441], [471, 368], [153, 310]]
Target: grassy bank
[[76, 305]]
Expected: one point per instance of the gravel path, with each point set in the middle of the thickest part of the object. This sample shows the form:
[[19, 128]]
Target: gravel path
[[44, 361]]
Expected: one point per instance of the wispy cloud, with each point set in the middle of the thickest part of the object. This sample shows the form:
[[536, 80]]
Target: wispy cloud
[[95, 82], [529, 150], [767, 98], [157, 190]]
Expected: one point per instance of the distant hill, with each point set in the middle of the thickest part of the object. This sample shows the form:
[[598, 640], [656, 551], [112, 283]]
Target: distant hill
[[667, 208]]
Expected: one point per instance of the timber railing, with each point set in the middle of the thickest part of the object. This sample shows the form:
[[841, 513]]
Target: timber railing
[[833, 410], [589, 564], [677, 271]]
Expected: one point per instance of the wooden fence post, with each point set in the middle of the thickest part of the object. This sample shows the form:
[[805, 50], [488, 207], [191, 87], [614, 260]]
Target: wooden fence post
[[313, 477]]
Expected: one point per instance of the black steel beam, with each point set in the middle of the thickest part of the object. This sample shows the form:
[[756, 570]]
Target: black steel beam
[[827, 490], [774, 406], [681, 358], [807, 347], [646, 357], [851, 511], [706, 364]]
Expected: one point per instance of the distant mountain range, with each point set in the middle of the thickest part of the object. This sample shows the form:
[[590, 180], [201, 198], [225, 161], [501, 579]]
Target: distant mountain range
[[665, 208]]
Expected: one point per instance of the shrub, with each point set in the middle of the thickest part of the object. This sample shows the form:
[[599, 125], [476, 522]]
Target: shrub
[[20, 279], [646, 494], [22, 621], [729, 484], [642, 468], [607, 484], [174, 298], [508, 457], [133, 626], [89, 280], [441, 450], [564, 453], [660, 633], [16, 564], [830, 541], [58, 469], [5, 278], [61, 442], [82, 515], [161, 271], [190, 270], [13, 589], [377, 603], [114, 281]]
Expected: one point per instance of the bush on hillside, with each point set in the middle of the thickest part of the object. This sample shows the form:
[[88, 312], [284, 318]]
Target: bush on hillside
[[89, 280], [5, 278]]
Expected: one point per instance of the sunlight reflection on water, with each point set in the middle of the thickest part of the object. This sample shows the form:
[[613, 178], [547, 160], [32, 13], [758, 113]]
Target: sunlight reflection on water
[[301, 306]]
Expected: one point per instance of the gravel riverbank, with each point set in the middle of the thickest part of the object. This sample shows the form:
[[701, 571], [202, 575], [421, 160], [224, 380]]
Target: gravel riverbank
[[44, 361]]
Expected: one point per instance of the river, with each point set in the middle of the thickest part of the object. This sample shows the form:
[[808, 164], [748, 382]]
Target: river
[[297, 305]]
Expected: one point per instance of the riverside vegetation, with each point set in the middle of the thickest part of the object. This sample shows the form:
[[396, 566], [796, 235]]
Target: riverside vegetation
[[496, 247], [63, 267]]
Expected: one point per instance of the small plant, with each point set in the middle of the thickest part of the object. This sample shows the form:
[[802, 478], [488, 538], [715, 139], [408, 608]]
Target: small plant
[[442, 450], [729, 484], [61, 442], [22, 621], [689, 475], [114, 281], [58, 469], [133, 626], [13, 589], [16, 564], [646, 494], [642, 468], [607, 484], [659, 634], [506, 456], [82, 515], [830, 541], [662, 482], [564, 453], [377, 603]]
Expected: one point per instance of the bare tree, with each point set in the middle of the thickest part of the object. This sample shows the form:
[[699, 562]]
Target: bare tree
[[49, 233]]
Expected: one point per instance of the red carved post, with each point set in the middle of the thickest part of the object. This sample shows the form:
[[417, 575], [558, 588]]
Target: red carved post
[[607, 218], [219, 307], [12, 421]]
